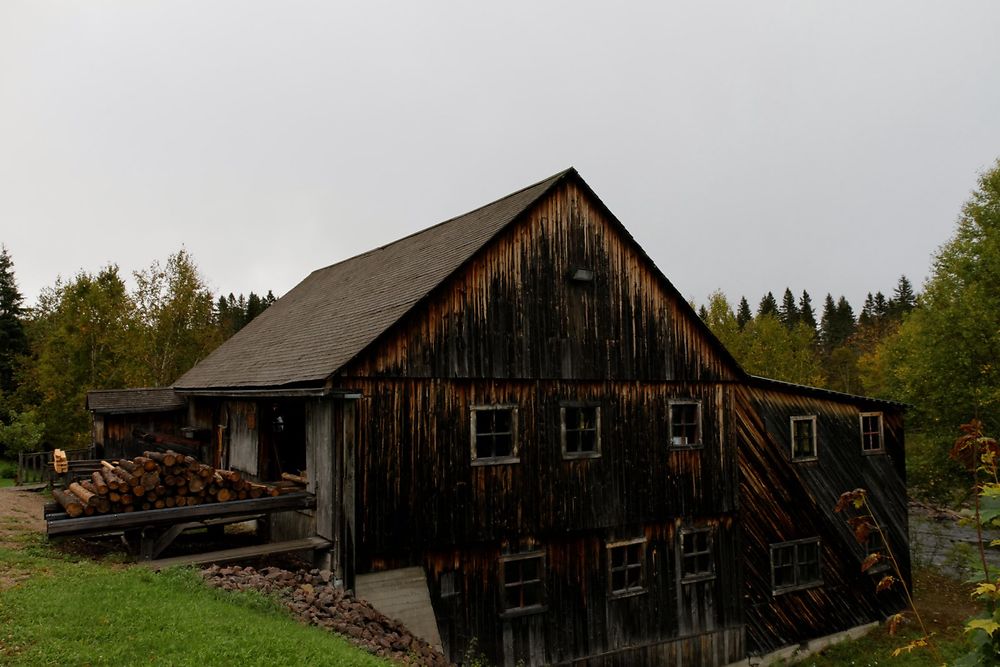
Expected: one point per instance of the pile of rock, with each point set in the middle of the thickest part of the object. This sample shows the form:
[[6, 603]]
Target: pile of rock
[[312, 597]]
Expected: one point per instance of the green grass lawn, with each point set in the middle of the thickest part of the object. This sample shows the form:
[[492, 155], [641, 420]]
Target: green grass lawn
[[6, 481], [54, 611]]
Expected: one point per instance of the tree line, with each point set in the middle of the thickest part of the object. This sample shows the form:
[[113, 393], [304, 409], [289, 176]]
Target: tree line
[[937, 351], [93, 332], [786, 341]]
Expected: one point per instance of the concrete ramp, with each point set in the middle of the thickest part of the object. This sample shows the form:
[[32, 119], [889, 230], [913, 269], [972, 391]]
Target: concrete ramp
[[402, 594]]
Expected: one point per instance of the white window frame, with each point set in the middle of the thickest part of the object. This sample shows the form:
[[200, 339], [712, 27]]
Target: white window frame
[[797, 585], [815, 438], [494, 460], [580, 405], [881, 433], [627, 591], [700, 440]]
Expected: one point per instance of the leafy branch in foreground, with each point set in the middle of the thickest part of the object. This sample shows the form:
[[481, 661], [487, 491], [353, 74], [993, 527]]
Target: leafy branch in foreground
[[865, 526], [979, 453]]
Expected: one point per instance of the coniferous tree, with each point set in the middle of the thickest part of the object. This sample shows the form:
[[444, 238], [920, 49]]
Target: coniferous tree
[[867, 315], [703, 313], [767, 306], [13, 342], [828, 323], [903, 299], [881, 308], [789, 312], [743, 313], [845, 320], [807, 315]]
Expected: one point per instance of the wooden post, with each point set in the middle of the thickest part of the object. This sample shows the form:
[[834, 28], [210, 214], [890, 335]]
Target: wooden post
[[347, 451]]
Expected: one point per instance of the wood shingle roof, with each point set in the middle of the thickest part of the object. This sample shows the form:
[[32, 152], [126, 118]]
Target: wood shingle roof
[[121, 401], [336, 312]]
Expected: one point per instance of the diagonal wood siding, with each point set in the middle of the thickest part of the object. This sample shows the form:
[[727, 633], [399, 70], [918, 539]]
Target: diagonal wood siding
[[784, 501]]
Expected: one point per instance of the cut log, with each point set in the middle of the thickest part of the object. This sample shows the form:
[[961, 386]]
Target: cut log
[[69, 502], [83, 494], [298, 479], [102, 486]]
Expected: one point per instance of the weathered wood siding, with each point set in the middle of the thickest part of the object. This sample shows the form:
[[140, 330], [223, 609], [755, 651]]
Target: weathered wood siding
[[512, 328], [417, 487], [784, 500], [116, 437], [513, 312], [581, 619], [243, 451]]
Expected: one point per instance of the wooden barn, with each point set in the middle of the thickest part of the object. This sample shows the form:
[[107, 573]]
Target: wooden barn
[[518, 406], [117, 413]]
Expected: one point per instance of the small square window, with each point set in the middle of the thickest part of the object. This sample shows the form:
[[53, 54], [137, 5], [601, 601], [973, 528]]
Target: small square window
[[804, 438], [795, 565], [581, 431], [494, 434], [871, 433], [626, 568], [523, 583], [696, 555], [685, 424]]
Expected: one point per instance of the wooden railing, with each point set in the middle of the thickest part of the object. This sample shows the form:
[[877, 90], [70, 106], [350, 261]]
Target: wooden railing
[[36, 467]]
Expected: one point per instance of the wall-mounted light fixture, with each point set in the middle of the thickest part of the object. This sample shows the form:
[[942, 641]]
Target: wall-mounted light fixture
[[582, 275]]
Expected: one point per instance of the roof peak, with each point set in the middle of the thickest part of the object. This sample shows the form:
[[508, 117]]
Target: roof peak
[[554, 178]]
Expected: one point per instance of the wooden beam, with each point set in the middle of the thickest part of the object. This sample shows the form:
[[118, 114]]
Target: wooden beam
[[161, 517], [308, 543]]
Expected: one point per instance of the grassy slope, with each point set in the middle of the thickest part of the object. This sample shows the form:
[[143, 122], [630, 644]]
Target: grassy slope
[[944, 605], [67, 612]]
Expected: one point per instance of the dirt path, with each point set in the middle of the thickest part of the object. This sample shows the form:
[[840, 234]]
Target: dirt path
[[20, 512]]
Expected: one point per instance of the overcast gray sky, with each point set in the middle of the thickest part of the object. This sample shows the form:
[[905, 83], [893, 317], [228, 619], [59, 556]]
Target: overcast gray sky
[[747, 146]]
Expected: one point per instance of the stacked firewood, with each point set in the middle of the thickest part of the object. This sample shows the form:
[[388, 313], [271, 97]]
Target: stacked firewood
[[155, 480]]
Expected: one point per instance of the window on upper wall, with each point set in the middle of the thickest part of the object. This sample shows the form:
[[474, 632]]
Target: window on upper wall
[[494, 434], [795, 565], [627, 567], [580, 426], [804, 438], [523, 583], [871, 433], [696, 561], [685, 424]]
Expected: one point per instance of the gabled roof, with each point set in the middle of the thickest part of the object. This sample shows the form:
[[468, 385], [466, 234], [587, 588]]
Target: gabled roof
[[336, 312], [121, 401]]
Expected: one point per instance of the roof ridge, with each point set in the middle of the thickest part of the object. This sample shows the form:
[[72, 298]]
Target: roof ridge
[[554, 178]]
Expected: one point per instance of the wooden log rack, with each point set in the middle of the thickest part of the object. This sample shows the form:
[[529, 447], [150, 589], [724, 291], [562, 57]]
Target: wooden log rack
[[152, 531]]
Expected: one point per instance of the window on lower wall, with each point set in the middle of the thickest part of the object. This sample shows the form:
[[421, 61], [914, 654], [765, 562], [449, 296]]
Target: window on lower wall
[[580, 426], [685, 424], [871, 433], [696, 560], [627, 567], [795, 565], [804, 438], [494, 434], [523, 582]]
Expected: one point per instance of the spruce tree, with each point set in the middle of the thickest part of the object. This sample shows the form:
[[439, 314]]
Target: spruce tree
[[806, 313], [13, 342], [768, 306], [867, 316], [789, 312], [903, 299], [703, 313], [828, 324], [743, 314]]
